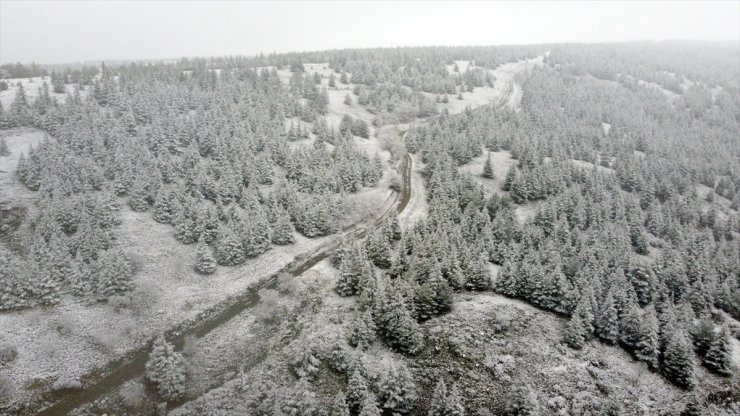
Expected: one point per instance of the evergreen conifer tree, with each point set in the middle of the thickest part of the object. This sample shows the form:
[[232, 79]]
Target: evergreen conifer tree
[[678, 360], [575, 332], [607, 321], [398, 327], [397, 390], [166, 369], [340, 407], [488, 168], [378, 249], [363, 329], [357, 390], [522, 402], [369, 406], [478, 278], [205, 263], [719, 355], [4, 151], [229, 250], [282, 229], [647, 348]]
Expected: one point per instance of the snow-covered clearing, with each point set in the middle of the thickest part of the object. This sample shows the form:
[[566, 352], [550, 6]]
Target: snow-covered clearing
[[505, 79], [589, 165], [18, 141], [31, 87], [170, 292], [337, 109], [501, 162]]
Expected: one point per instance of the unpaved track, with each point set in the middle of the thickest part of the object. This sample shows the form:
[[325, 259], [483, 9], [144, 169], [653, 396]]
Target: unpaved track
[[133, 365]]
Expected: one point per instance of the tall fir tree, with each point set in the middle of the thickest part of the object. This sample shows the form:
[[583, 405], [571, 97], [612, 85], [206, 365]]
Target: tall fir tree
[[488, 168], [678, 360], [719, 354], [205, 263], [166, 369], [396, 389]]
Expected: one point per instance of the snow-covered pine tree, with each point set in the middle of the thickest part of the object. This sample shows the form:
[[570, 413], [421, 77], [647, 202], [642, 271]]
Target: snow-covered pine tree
[[369, 407], [378, 249], [282, 228], [522, 401], [434, 295], [454, 403], [400, 330], [164, 207], [607, 321], [205, 263], [719, 355], [678, 360], [166, 369], [488, 168], [357, 389], [438, 405], [339, 406], [647, 348], [4, 151], [229, 249], [363, 329], [396, 389], [575, 332], [479, 277], [113, 273]]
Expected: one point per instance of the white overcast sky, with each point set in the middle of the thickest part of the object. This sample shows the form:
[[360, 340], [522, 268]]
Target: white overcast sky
[[70, 31]]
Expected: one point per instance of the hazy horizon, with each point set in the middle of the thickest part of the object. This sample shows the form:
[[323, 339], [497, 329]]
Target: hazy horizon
[[72, 31]]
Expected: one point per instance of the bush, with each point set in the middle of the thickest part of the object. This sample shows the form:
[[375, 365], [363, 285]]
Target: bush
[[191, 346], [104, 338], [396, 183], [8, 352], [66, 383], [65, 324], [6, 387], [133, 394]]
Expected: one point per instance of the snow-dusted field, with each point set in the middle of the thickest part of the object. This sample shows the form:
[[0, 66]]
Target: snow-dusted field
[[501, 162], [18, 141], [32, 87], [172, 293]]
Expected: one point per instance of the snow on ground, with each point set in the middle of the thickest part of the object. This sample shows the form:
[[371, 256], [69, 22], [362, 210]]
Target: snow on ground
[[589, 165], [505, 78], [501, 162], [532, 344], [337, 109], [32, 86], [462, 66], [18, 141], [418, 207], [525, 212], [322, 69], [98, 333]]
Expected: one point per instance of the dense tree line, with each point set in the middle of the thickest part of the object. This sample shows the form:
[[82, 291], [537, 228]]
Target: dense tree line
[[631, 253], [204, 151]]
